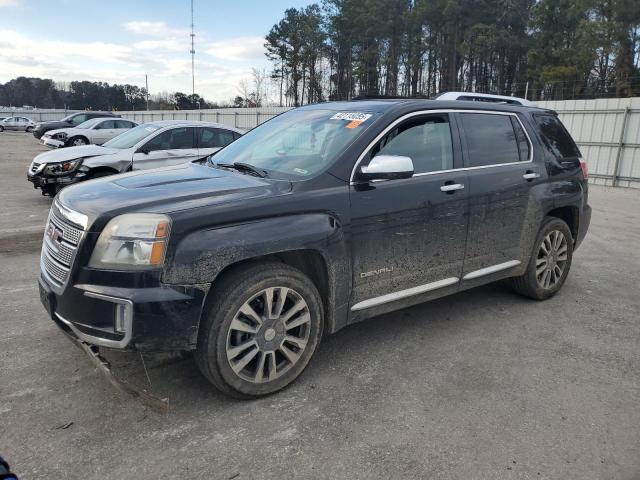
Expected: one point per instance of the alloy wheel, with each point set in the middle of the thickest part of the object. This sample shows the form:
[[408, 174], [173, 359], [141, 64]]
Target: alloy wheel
[[77, 142], [268, 334], [552, 259]]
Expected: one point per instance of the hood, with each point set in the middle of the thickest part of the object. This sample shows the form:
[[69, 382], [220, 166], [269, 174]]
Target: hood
[[63, 130], [165, 190], [72, 153]]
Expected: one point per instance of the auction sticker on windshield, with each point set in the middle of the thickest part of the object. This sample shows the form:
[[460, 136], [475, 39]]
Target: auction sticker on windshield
[[352, 116]]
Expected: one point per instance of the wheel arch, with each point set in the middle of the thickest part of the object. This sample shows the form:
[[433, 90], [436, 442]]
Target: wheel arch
[[94, 170], [570, 215], [310, 262], [311, 243]]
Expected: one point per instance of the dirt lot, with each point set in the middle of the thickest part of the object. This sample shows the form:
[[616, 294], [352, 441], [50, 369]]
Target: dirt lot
[[484, 384]]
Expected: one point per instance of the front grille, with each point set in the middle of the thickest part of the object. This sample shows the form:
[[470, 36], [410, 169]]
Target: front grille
[[59, 247], [54, 270]]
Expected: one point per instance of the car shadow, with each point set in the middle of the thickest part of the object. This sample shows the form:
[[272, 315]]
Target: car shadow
[[344, 354]]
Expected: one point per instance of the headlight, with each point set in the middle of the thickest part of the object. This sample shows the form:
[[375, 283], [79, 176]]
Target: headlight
[[133, 241], [62, 168]]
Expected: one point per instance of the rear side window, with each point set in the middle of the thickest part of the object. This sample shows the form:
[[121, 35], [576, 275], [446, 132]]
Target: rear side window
[[555, 137], [123, 124], [490, 138]]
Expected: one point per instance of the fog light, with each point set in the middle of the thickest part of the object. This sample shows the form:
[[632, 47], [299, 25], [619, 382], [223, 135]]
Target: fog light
[[120, 326]]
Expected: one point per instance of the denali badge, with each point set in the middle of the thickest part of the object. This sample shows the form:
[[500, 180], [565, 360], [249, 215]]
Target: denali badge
[[376, 272]]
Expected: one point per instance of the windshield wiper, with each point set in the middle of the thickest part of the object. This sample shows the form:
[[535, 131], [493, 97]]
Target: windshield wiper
[[246, 167]]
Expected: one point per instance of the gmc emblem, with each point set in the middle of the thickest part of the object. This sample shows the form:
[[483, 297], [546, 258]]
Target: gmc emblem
[[54, 234]]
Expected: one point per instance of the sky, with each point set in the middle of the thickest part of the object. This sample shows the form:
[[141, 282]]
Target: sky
[[119, 41]]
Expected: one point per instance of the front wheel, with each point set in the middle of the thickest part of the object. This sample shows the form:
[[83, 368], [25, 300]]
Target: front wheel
[[263, 326], [77, 141], [550, 261]]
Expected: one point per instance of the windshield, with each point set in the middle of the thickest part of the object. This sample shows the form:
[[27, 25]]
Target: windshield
[[299, 143], [89, 123], [131, 137]]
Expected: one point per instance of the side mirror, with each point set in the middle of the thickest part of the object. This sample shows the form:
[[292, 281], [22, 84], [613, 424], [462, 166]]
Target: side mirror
[[387, 167], [144, 150]]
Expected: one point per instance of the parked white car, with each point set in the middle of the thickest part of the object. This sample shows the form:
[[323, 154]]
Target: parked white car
[[23, 124], [150, 145], [95, 131]]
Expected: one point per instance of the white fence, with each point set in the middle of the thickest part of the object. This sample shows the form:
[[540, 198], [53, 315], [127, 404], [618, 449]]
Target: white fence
[[608, 134], [37, 114], [242, 118], [606, 130]]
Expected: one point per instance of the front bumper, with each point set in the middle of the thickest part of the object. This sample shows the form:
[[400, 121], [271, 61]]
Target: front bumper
[[161, 318], [50, 184], [51, 142]]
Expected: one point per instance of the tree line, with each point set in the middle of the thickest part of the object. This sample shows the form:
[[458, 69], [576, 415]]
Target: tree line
[[85, 95], [546, 49]]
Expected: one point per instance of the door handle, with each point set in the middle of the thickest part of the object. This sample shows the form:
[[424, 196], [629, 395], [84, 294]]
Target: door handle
[[451, 187], [531, 176]]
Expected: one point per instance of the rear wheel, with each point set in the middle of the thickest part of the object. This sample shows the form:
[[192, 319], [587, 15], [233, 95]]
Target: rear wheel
[[263, 326], [29, 129], [1, 128], [550, 261]]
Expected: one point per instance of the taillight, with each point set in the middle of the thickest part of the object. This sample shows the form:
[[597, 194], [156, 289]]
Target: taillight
[[583, 166]]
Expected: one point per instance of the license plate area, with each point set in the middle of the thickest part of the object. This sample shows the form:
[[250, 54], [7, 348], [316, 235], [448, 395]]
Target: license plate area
[[47, 298]]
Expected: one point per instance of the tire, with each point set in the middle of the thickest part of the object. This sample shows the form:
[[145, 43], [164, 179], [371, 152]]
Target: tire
[[238, 353], [77, 141], [1, 128], [556, 238], [29, 130]]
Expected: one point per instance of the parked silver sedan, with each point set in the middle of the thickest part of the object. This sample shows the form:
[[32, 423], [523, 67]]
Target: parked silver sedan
[[23, 124], [95, 131]]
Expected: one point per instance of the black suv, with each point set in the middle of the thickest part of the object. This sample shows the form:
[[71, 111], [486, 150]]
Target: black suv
[[321, 217], [72, 120]]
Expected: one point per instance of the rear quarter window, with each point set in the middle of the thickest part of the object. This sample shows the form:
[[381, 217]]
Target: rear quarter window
[[555, 137]]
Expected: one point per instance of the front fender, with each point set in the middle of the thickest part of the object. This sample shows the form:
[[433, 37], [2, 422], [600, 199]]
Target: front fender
[[200, 256], [116, 161]]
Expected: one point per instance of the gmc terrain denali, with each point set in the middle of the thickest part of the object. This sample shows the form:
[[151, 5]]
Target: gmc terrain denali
[[324, 216]]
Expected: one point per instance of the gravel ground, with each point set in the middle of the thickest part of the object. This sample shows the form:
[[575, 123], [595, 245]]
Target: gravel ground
[[483, 384]]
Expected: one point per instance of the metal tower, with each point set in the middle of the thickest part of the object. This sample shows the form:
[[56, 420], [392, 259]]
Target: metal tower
[[193, 56]]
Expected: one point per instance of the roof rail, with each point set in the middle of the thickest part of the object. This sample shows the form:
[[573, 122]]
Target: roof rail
[[389, 97], [484, 97]]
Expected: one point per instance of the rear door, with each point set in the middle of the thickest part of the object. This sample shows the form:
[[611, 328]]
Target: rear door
[[408, 235], [210, 140], [499, 159], [23, 123], [170, 147]]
